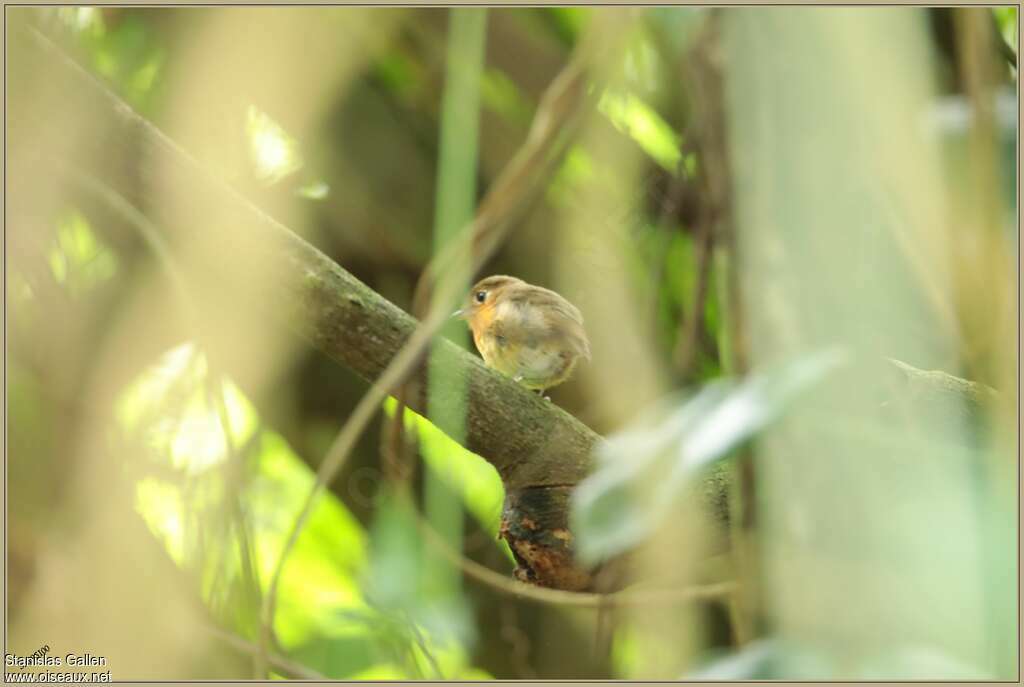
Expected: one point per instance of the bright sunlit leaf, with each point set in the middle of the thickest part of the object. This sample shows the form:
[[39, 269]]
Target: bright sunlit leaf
[[81, 19], [638, 120], [471, 477], [78, 260], [381, 672], [151, 387], [321, 593], [320, 578], [173, 408], [274, 153], [161, 506], [183, 411]]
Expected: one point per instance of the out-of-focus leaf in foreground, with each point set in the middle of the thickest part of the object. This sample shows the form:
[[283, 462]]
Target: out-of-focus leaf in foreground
[[404, 584], [186, 485], [78, 259], [917, 663], [642, 471], [774, 659], [765, 659], [349, 606]]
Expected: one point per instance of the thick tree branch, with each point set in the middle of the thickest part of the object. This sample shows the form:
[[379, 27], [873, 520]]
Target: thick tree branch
[[529, 441], [532, 443]]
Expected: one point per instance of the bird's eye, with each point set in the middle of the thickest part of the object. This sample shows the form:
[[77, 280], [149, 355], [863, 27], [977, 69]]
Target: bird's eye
[[481, 296]]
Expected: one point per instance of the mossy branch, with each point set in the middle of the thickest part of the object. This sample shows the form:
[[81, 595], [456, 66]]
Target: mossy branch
[[533, 444]]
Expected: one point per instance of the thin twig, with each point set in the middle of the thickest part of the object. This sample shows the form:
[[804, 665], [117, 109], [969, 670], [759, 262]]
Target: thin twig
[[421, 642], [235, 463], [559, 597], [518, 640], [516, 183]]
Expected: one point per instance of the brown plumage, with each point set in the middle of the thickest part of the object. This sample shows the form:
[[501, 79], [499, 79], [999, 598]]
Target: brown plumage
[[524, 331]]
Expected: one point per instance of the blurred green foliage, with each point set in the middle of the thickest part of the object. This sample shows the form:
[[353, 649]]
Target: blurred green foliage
[[638, 120], [365, 594], [128, 53], [643, 471], [471, 478], [1007, 20], [78, 260], [358, 601]]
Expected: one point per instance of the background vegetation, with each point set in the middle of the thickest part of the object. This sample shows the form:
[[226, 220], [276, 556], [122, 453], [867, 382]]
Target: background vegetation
[[774, 221]]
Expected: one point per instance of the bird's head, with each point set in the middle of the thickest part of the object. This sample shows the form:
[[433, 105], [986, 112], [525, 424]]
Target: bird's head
[[485, 294]]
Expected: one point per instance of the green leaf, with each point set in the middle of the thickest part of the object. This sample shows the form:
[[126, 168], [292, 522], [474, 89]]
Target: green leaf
[[501, 94], [78, 259], [321, 576], [470, 477], [569, 22], [642, 471], [186, 483], [128, 54], [348, 604], [407, 582], [641, 122], [1006, 18]]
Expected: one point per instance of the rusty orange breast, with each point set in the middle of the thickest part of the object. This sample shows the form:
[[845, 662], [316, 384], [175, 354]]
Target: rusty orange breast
[[481, 321]]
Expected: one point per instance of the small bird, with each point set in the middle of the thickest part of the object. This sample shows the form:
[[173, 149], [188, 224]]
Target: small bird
[[526, 332]]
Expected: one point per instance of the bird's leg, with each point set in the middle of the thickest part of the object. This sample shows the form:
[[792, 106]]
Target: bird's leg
[[540, 392]]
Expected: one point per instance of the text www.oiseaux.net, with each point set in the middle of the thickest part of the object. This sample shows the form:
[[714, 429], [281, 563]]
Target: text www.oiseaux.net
[[51, 676]]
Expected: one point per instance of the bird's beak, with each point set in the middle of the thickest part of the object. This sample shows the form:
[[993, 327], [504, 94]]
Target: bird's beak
[[457, 313]]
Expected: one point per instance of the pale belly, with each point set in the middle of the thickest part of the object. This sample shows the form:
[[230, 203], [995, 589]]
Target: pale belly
[[538, 367]]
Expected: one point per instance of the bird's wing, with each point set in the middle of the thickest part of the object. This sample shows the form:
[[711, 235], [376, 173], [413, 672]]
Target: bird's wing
[[547, 315]]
